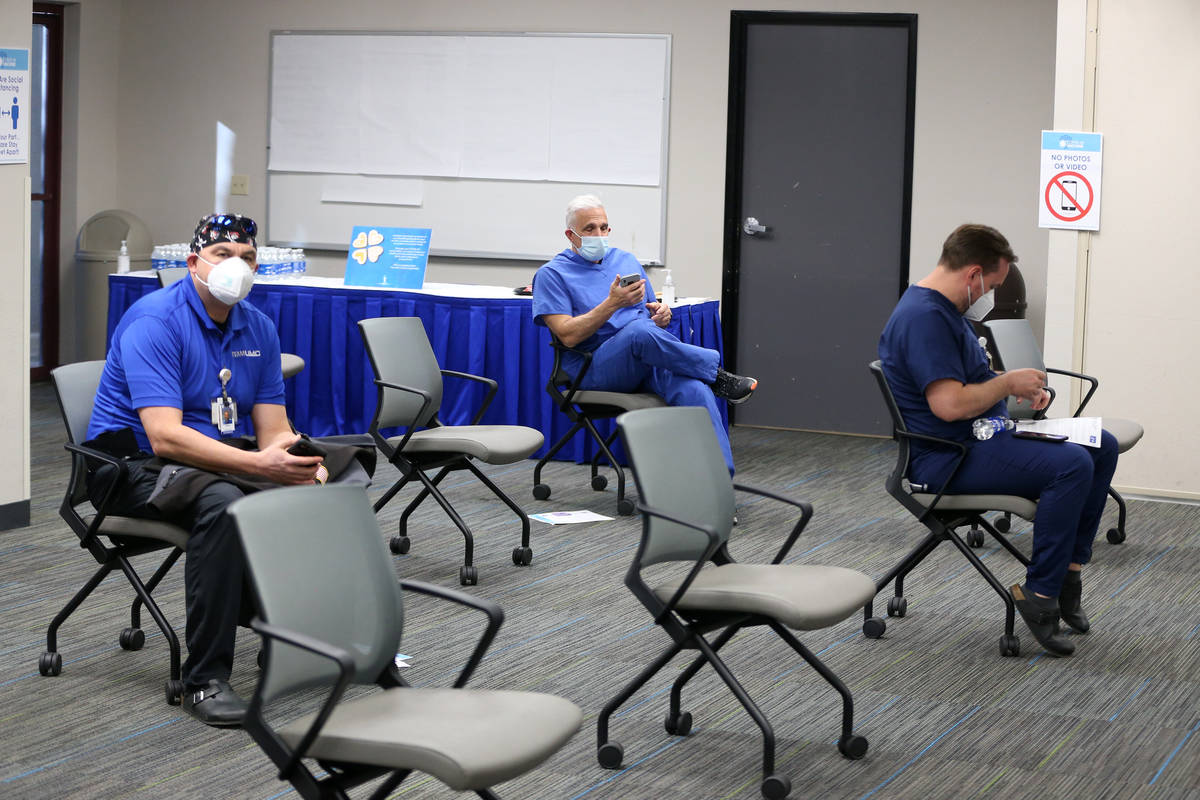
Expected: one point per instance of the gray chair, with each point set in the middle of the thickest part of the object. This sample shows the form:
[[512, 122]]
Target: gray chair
[[942, 513], [686, 502], [331, 617], [290, 363], [410, 394], [1016, 348], [583, 408], [111, 540]]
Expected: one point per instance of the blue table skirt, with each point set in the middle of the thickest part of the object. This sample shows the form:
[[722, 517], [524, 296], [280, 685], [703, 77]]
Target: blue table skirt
[[496, 338]]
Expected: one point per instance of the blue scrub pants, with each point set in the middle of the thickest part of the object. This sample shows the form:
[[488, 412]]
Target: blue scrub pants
[[642, 357], [1070, 483]]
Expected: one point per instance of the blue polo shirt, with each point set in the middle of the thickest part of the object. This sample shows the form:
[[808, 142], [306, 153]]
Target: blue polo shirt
[[928, 339], [572, 285], [167, 351]]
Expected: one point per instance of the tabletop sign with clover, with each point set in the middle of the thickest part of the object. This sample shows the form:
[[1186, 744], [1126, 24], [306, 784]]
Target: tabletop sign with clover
[[388, 258]]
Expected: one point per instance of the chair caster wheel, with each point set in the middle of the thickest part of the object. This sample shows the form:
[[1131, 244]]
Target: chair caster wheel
[[1115, 535], [50, 664], [1010, 646], [174, 692], [678, 724], [541, 492], [874, 627], [625, 507], [1003, 524], [522, 556], [468, 576], [975, 538], [897, 607], [610, 755], [132, 639], [853, 746], [400, 545], [599, 483], [776, 787]]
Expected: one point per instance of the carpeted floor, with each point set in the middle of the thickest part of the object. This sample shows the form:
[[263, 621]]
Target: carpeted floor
[[946, 716]]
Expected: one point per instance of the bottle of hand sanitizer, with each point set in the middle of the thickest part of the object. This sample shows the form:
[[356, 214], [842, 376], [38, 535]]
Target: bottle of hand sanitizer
[[668, 290], [123, 258]]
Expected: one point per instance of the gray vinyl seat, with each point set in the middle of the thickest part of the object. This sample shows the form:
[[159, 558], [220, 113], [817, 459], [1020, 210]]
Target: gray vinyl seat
[[290, 363], [111, 540], [1016, 348], [583, 408], [410, 393], [687, 502], [942, 513], [331, 615]]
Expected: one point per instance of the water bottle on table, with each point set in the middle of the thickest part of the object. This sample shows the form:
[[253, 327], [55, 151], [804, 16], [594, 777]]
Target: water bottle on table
[[985, 428]]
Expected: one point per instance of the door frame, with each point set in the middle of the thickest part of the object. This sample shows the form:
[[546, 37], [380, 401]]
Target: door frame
[[739, 24], [51, 16]]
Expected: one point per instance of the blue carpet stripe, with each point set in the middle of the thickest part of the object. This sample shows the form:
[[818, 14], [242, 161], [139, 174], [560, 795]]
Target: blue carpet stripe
[[1193, 631], [873, 714], [569, 571], [815, 548], [1174, 752], [1132, 697], [802, 663], [640, 761], [1152, 562], [913, 760], [493, 653], [85, 751]]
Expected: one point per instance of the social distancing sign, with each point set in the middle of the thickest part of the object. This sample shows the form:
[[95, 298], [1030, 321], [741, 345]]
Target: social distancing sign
[[1069, 195], [14, 106]]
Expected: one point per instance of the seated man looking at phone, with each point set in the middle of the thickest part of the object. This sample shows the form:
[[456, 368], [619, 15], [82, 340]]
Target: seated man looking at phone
[[938, 371], [595, 298], [189, 365]]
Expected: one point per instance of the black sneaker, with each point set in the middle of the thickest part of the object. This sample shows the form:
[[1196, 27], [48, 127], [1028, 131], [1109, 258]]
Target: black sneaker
[[1041, 615], [734, 388], [215, 704]]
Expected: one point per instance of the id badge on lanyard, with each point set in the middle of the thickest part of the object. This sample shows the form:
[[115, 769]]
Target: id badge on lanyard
[[224, 408]]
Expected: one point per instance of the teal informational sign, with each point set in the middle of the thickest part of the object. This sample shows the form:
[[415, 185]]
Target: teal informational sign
[[1069, 191], [388, 258], [14, 106]]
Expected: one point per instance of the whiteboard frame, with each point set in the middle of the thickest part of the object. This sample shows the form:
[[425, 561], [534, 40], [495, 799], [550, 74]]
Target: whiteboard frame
[[453, 253]]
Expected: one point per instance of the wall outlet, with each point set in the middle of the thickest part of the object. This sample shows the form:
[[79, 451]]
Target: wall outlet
[[239, 184]]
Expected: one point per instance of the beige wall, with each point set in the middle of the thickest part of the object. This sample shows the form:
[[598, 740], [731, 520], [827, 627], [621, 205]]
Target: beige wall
[[14, 301]]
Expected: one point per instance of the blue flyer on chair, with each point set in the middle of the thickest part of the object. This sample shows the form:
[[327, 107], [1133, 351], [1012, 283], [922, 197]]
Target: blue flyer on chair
[[388, 258]]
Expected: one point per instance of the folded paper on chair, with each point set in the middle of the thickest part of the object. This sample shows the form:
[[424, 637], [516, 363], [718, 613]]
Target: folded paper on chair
[[1080, 430]]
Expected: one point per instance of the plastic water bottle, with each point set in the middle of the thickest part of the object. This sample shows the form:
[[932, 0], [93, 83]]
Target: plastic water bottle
[[668, 290], [266, 264], [156, 257], [301, 261], [123, 257], [985, 428]]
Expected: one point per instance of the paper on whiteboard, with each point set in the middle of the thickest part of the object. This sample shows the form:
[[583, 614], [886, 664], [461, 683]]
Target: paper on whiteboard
[[373, 189], [1080, 430]]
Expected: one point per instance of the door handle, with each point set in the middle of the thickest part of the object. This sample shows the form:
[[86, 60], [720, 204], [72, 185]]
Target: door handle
[[751, 226]]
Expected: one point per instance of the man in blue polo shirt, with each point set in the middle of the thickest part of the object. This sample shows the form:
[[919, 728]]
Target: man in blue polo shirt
[[939, 374], [579, 296], [189, 366]]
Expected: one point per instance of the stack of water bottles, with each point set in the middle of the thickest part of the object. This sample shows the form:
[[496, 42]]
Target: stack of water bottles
[[274, 263]]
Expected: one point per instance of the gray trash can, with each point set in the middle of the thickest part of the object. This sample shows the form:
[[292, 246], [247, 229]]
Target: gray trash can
[[96, 250]]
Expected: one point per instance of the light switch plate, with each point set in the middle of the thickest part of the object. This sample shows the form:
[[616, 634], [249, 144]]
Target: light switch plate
[[239, 184]]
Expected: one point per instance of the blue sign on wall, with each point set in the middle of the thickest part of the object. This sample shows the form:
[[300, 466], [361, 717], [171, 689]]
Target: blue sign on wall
[[389, 258]]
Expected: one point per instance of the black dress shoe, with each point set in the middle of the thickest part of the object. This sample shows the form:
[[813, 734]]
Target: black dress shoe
[[1041, 615], [1069, 603], [215, 704]]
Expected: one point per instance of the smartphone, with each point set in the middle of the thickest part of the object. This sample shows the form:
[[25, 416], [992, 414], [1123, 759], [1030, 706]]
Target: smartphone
[[307, 447], [1039, 435], [1069, 190], [631, 278]]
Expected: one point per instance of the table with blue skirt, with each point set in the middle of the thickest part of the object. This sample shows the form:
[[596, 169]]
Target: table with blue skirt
[[483, 330]]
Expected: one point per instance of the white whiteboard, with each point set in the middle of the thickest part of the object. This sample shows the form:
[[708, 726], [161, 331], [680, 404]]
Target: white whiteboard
[[481, 137]]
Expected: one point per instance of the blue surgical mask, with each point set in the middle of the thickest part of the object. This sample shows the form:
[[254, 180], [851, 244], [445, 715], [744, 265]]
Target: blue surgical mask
[[593, 248]]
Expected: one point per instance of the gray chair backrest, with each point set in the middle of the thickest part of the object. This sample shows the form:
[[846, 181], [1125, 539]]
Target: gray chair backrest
[[169, 275], [1017, 348], [317, 561], [889, 399], [75, 386], [400, 353], [680, 471]]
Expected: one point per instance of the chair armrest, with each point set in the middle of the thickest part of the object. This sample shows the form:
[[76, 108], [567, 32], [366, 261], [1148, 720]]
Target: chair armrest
[[1095, 384], [339, 656], [487, 399], [107, 491], [494, 613], [1041, 413], [936, 440], [806, 512], [426, 401], [713, 544], [572, 385]]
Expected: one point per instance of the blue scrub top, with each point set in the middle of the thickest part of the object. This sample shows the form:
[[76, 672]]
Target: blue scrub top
[[167, 351], [928, 339], [570, 284]]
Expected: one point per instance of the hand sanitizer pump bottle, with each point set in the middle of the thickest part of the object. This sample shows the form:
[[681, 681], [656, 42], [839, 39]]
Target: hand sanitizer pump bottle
[[668, 290]]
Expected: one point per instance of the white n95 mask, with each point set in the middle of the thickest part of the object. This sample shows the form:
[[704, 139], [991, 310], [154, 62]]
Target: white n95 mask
[[979, 309], [229, 281]]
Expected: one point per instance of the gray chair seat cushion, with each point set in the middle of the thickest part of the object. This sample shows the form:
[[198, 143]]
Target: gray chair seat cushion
[[491, 444], [145, 529], [800, 596], [467, 739], [1021, 506], [291, 364], [1126, 431], [626, 402]]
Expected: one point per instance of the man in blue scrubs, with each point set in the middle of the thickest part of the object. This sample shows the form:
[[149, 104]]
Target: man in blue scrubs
[[189, 366], [939, 374], [578, 295]]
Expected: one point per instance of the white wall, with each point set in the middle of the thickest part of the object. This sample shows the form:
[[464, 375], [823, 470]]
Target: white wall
[[15, 31]]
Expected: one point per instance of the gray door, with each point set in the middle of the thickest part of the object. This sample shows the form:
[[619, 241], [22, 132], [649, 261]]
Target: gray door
[[820, 154]]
